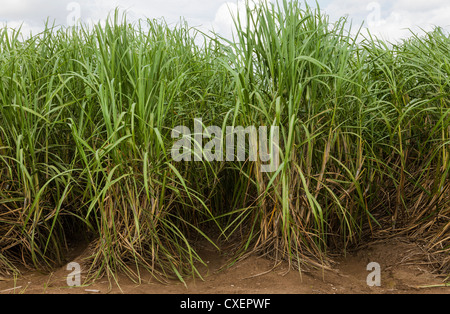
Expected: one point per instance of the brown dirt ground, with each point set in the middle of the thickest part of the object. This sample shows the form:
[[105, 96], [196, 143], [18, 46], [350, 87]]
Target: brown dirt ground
[[405, 269]]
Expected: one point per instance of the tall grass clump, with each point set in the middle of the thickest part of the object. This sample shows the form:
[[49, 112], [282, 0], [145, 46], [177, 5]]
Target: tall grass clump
[[86, 120], [298, 71], [364, 129], [36, 175]]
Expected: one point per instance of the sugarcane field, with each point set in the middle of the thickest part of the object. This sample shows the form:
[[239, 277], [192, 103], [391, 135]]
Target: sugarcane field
[[299, 154]]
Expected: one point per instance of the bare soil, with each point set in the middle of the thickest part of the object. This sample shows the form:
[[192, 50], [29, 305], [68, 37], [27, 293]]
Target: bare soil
[[405, 269]]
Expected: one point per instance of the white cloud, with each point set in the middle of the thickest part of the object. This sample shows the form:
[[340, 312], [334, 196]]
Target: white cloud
[[224, 21], [390, 21], [393, 20]]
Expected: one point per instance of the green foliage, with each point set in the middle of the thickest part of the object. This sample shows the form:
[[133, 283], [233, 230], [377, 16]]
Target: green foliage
[[85, 134]]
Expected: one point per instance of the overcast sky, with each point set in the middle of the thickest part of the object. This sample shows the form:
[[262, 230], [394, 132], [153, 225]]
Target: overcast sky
[[389, 19]]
